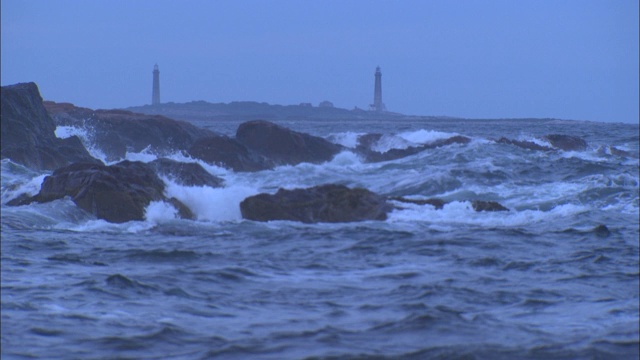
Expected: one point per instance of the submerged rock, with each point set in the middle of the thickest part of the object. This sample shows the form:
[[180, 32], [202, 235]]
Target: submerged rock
[[602, 231], [284, 146], [479, 205], [566, 142], [437, 203], [366, 142], [325, 203], [523, 144], [116, 193], [28, 132], [557, 141]]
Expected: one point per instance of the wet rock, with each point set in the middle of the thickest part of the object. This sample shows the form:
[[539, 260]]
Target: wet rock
[[187, 174], [284, 146], [602, 231], [116, 193], [523, 144], [566, 142], [115, 132], [479, 205], [437, 203], [367, 141], [325, 203], [183, 211], [229, 153], [28, 132]]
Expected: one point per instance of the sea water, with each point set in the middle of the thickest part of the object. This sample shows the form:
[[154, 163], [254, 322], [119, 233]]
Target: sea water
[[543, 280]]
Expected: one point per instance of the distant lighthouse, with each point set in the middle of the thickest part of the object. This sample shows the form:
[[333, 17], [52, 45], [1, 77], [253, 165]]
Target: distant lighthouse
[[378, 105], [155, 95]]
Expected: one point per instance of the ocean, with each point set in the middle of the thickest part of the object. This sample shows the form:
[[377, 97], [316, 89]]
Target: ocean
[[555, 277]]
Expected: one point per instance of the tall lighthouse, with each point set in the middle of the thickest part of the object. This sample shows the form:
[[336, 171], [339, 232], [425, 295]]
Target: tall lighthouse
[[155, 95]]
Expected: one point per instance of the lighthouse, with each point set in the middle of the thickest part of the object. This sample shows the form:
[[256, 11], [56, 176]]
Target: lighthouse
[[155, 94], [378, 105]]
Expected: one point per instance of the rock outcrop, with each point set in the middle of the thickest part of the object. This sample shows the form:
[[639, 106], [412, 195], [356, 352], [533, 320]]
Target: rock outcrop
[[557, 142], [188, 174], [284, 146], [28, 132], [116, 193], [325, 203], [479, 206], [366, 143], [115, 132], [566, 142], [530, 145], [227, 152]]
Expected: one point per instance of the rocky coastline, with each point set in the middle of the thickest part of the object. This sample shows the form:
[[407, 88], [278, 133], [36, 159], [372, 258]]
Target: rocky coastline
[[121, 191]]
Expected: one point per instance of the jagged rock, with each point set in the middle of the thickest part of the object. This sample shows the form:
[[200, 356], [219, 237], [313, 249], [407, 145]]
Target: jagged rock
[[284, 146], [115, 132], [437, 203], [28, 132], [227, 152], [116, 193], [325, 203], [566, 142], [188, 174], [479, 205]]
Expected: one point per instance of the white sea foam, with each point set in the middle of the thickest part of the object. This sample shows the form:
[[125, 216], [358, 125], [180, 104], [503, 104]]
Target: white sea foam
[[30, 187], [86, 137], [408, 139], [145, 156], [423, 136], [347, 139], [461, 212], [211, 204], [160, 211], [103, 226]]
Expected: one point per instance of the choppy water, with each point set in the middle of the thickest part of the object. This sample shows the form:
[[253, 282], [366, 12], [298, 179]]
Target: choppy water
[[537, 282]]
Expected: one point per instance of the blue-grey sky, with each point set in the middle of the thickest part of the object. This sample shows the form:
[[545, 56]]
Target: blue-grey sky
[[569, 59]]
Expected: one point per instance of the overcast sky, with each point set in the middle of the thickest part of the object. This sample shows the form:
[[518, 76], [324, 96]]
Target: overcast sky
[[569, 59]]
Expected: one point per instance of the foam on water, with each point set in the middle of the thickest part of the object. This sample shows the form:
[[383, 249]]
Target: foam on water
[[462, 213], [211, 204], [160, 211], [86, 135], [409, 139], [347, 139]]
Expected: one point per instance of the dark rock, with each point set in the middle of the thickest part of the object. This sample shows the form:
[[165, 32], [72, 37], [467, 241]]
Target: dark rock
[[367, 141], [227, 152], [523, 144], [116, 193], [602, 231], [284, 146], [325, 203], [183, 211], [617, 152], [566, 142], [479, 206], [188, 174], [437, 203], [28, 132], [115, 132]]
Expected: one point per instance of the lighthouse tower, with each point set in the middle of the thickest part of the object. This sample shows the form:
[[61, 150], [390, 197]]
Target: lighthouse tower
[[378, 105], [155, 95]]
